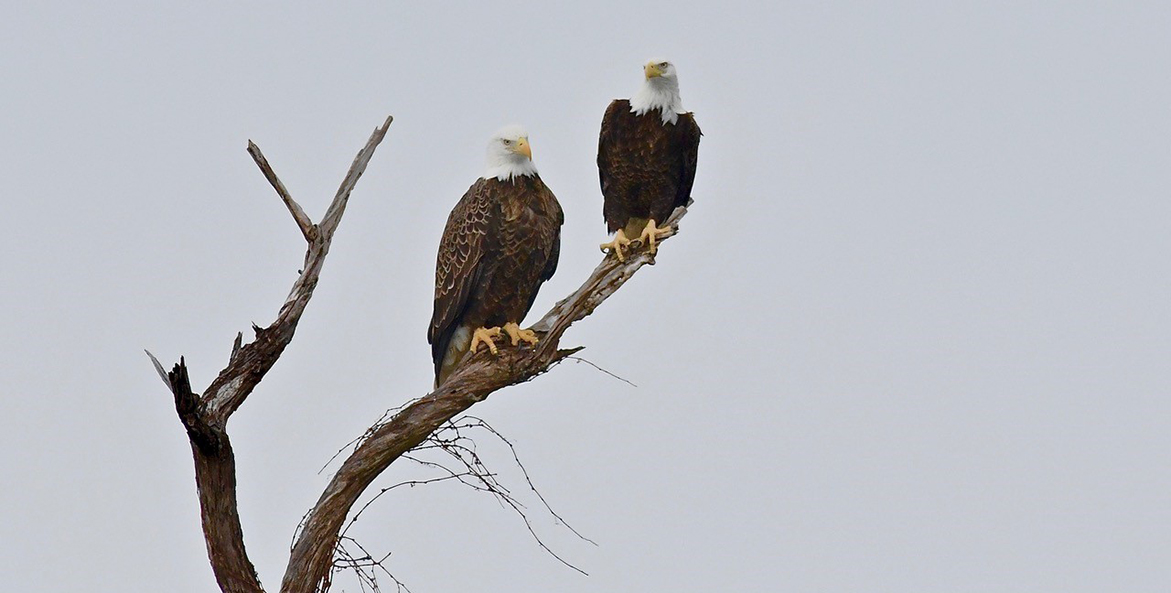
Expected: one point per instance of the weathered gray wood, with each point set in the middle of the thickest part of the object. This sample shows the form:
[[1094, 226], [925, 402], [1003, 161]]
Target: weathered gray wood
[[299, 215]]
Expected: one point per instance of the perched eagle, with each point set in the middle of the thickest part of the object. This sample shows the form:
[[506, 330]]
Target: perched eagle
[[646, 158], [500, 244]]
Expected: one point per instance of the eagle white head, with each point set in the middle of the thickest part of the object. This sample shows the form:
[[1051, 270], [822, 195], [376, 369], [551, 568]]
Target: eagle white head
[[659, 91], [509, 154]]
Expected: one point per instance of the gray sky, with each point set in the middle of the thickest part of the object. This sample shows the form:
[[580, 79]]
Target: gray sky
[[914, 336]]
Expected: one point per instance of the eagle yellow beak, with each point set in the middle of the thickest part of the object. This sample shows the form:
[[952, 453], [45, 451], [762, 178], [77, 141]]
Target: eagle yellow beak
[[652, 70], [522, 147]]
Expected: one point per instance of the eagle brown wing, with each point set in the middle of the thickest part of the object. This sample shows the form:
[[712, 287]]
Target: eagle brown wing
[[556, 218], [689, 134], [611, 163], [458, 264]]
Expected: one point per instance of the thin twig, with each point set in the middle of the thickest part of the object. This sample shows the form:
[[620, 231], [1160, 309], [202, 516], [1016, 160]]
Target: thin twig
[[365, 567], [580, 359], [484, 424]]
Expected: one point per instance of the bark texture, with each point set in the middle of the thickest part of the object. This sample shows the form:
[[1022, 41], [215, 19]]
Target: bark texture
[[205, 416]]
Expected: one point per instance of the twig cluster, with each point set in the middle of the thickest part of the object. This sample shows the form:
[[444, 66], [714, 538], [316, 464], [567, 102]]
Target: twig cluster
[[364, 565], [452, 454]]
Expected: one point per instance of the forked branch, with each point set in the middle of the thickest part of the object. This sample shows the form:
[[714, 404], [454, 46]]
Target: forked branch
[[205, 416]]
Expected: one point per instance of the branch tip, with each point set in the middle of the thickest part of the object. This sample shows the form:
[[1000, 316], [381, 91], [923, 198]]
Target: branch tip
[[159, 368], [236, 346], [295, 209]]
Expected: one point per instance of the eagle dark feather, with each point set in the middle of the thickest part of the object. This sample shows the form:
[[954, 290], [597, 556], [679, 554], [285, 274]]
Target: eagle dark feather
[[501, 242], [646, 167]]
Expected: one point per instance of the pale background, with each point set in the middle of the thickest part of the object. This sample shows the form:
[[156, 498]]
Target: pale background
[[915, 335]]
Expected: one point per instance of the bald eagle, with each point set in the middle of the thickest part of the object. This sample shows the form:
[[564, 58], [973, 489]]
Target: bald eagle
[[500, 244], [646, 158]]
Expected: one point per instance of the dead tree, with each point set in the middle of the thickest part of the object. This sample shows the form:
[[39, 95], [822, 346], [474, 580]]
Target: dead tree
[[205, 416]]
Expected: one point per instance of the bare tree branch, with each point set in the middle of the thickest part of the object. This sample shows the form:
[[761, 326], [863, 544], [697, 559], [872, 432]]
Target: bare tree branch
[[253, 360], [299, 215], [205, 416], [479, 375]]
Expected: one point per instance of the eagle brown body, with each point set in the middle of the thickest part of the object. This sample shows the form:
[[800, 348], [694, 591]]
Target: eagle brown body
[[501, 242], [646, 166]]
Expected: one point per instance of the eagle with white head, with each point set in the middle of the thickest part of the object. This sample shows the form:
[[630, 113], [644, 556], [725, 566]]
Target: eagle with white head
[[501, 242], [647, 154]]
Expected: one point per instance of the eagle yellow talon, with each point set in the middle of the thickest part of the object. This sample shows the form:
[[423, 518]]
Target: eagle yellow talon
[[485, 335], [651, 233], [516, 334], [619, 243]]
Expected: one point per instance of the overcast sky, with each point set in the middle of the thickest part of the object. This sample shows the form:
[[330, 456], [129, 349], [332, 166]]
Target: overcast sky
[[915, 335]]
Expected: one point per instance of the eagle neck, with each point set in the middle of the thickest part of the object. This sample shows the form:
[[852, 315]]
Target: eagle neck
[[659, 93], [505, 169]]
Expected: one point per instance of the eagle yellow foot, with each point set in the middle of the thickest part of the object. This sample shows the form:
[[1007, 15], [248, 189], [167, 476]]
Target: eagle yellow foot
[[516, 334], [619, 243], [651, 233], [485, 335]]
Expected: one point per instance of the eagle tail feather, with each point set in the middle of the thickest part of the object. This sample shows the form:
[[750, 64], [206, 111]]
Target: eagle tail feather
[[457, 346]]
